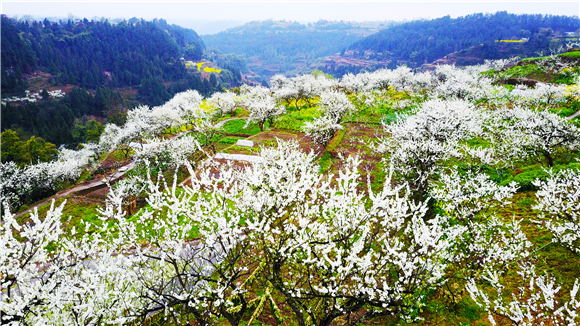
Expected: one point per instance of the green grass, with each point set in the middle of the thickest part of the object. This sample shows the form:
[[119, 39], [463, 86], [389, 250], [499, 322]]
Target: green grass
[[572, 54], [74, 214], [238, 126], [521, 71], [535, 59], [325, 162], [530, 173], [371, 115], [229, 140], [563, 111]]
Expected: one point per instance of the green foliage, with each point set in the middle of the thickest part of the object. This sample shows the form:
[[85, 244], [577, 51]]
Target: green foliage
[[54, 119], [25, 151], [153, 92], [95, 53], [88, 132]]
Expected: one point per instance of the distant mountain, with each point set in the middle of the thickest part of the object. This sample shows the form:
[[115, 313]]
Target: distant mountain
[[205, 27], [272, 47], [478, 36]]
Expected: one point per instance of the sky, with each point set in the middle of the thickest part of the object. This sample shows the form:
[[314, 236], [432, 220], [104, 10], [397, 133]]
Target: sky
[[211, 16]]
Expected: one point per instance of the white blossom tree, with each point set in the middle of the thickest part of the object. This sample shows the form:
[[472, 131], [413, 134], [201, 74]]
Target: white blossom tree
[[321, 129], [262, 106], [36, 262], [418, 144], [224, 102], [559, 204], [18, 184], [520, 133], [334, 105], [168, 152], [535, 302]]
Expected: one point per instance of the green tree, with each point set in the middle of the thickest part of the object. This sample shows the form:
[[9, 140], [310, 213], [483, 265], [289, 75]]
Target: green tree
[[25, 151], [87, 132], [11, 146]]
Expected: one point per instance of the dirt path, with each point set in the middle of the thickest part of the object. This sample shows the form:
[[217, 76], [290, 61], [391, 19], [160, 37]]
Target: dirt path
[[573, 115], [84, 187]]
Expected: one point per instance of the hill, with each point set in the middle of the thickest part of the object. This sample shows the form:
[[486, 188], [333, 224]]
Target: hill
[[464, 40], [114, 66], [95, 53], [441, 197], [272, 47]]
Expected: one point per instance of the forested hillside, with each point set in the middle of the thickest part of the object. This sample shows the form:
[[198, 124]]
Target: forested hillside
[[55, 74], [421, 42], [272, 47], [96, 53]]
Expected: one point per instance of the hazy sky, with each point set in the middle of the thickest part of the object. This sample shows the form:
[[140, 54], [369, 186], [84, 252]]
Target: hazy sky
[[194, 14]]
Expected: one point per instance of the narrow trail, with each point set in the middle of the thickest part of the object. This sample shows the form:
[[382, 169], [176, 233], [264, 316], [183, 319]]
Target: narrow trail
[[99, 183], [570, 117], [84, 187]]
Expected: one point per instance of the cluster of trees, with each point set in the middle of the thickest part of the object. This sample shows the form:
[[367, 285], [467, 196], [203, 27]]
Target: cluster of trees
[[55, 119], [25, 151], [423, 41], [277, 238]]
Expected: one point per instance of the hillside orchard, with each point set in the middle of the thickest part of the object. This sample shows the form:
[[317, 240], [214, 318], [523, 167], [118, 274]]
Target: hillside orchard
[[386, 197]]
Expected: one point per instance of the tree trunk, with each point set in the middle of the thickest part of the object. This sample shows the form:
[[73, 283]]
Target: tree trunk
[[549, 159]]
